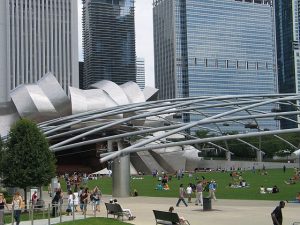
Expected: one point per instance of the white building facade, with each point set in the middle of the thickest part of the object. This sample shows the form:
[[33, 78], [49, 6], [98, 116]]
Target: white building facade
[[36, 37], [140, 72]]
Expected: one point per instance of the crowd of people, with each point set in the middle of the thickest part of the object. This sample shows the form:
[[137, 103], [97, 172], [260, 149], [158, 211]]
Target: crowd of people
[[74, 199], [79, 197], [268, 190], [237, 181], [187, 191]]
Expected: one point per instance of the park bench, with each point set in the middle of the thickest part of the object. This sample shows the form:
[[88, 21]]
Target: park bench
[[115, 209], [167, 218]]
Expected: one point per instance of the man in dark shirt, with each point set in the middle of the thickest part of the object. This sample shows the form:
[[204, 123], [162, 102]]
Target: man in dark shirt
[[277, 214]]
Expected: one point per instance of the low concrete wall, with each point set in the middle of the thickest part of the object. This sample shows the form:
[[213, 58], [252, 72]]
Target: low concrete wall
[[224, 164]]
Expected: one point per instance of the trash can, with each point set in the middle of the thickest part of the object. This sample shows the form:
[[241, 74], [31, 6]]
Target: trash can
[[206, 204]]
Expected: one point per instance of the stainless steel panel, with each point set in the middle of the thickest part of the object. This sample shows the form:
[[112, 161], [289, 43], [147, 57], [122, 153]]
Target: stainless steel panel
[[87, 100], [113, 90], [150, 93], [133, 92], [31, 102], [55, 94]]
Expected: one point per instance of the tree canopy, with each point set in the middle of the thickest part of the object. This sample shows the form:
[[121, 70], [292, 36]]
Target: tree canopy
[[26, 159]]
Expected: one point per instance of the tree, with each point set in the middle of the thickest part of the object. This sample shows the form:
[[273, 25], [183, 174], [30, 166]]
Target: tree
[[27, 160]]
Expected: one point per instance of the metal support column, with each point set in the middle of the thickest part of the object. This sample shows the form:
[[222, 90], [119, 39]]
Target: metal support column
[[121, 174], [259, 156], [228, 156]]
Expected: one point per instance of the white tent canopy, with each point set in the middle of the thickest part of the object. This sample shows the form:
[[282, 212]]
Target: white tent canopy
[[104, 171]]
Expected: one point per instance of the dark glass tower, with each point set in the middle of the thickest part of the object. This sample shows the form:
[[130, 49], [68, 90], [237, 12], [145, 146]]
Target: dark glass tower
[[109, 41], [287, 37]]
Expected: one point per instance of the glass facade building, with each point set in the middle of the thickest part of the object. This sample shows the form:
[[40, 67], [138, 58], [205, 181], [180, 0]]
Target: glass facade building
[[109, 41], [287, 36], [214, 47]]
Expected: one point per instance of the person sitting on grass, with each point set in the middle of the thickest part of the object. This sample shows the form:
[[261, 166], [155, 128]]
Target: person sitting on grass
[[269, 190], [159, 187], [275, 189], [262, 190], [296, 200], [291, 181], [166, 187]]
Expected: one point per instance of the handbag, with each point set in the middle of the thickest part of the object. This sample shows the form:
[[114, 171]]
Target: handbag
[[68, 209], [22, 204]]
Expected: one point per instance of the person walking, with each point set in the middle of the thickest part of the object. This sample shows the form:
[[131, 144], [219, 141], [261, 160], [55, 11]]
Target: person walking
[[199, 193], [70, 206], [34, 199], [17, 206], [189, 191], [84, 198], [212, 189], [96, 198], [2, 204], [276, 215], [181, 195], [55, 201]]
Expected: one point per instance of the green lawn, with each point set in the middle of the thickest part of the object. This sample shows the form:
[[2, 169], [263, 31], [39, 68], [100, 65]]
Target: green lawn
[[25, 216], [146, 186], [94, 221]]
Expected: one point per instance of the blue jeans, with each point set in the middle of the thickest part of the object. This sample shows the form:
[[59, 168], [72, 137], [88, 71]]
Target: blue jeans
[[179, 200], [17, 214]]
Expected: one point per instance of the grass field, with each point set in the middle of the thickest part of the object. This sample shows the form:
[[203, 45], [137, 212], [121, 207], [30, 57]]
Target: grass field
[[94, 221], [25, 216], [146, 186]]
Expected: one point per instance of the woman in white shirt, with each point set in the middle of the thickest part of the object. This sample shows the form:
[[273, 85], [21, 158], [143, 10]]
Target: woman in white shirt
[[70, 206], [16, 204], [189, 191], [76, 201]]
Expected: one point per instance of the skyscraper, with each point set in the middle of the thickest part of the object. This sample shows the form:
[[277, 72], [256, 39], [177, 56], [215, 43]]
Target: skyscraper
[[36, 37], [140, 72], [109, 41], [214, 47], [288, 53]]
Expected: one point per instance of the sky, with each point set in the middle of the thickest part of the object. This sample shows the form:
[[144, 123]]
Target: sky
[[144, 36]]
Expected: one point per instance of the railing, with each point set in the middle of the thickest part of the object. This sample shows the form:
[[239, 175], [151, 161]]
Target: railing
[[51, 213]]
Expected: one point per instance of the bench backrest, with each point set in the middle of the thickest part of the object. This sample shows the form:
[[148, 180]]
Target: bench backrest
[[166, 216], [113, 207]]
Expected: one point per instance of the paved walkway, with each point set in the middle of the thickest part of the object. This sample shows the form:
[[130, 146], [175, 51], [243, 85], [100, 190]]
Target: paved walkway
[[225, 212]]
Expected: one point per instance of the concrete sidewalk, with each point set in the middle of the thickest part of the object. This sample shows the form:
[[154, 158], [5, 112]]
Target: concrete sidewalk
[[225, 212]]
